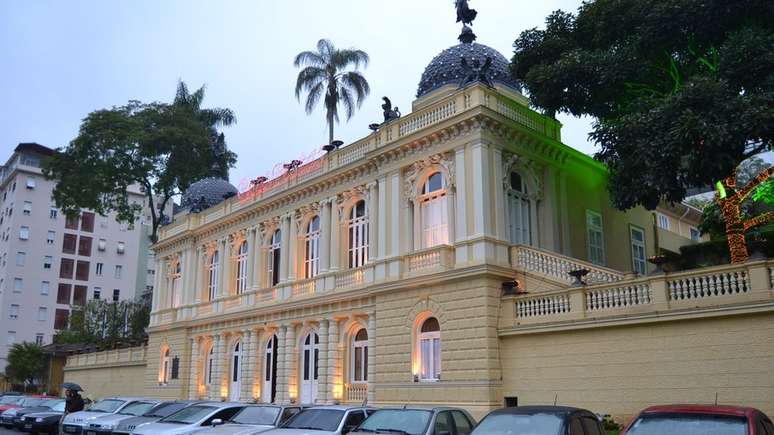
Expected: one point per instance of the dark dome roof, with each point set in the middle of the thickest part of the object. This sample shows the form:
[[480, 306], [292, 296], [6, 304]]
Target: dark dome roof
[[446, 67], [207, 192]]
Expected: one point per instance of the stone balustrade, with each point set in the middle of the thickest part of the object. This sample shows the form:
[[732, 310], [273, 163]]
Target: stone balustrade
[[558, 266], [356, 392], [122, 356]]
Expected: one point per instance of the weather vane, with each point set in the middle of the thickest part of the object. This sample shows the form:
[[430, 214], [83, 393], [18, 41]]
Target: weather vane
[[465, 15]]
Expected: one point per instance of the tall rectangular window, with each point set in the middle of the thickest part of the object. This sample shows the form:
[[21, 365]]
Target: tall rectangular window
[[120, 247], [14, 311], [18, 285], [50, 237], [71, 222], [10, 338], [24, 233], [101, 244], [45, 287], [695, 234], [84, 246], [116, 294], [82, 271], [663, 221], [53, 213], [31, 183], [63, 294], [47, 260], [97, 293], [42, 314], [27, 208], [98, 269], [119, 269], [637, 239], [69, 242], [20, 258], [79, 295], [39, 339], [66, 268], [61, 318], [87, 221], [595, 237]]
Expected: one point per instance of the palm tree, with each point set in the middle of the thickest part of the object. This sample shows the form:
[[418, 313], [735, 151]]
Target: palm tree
[[324, 73]]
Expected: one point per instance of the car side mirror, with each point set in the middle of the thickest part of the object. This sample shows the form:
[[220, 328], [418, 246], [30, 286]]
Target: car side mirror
[[217, 422]]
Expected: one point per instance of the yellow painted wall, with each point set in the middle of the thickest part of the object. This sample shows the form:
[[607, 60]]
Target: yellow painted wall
[[99, 382], [623, 369]]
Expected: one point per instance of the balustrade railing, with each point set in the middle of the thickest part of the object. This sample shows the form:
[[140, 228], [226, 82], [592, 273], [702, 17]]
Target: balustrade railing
[[618, 297], [303, 288], [707, 286], [557, 266], [426, 117], [356, 392], [543, 306], [350, 278], [436, 257]]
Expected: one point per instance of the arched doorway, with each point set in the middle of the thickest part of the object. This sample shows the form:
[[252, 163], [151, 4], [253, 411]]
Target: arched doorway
[[269, 390], [310, 356], [235, 387]]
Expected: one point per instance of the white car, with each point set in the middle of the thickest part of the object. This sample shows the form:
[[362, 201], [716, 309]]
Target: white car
[[75, 422], [191, 419], [253, 420], [104, 424], [323, 420]]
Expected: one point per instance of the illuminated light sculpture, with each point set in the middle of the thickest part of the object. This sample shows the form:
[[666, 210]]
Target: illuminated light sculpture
[[730, 200]]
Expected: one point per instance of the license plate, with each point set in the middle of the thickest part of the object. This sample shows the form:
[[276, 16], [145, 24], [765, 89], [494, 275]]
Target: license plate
[[69, 429], [91, 432], [28, 426]]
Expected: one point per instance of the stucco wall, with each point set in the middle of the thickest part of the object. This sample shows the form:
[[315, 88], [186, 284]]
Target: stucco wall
[[115, 372], [624, 369]]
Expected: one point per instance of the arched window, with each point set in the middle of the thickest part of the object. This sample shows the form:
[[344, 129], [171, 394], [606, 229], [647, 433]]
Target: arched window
[[519, 210], [430, 349], [312, 255], [165, 366], [434, 211], [269, 391], [177, 278], [359, 361], [212, 285], [236, 372], [241, 268], [358, 235], [208, 366], [274, 258]]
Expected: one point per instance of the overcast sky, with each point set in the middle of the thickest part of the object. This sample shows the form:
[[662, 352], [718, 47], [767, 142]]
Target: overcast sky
[[60, 60]]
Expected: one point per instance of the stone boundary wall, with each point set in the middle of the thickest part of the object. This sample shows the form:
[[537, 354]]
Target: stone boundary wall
[[116, 372]]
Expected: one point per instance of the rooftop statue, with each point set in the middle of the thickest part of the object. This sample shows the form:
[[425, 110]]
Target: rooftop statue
[[475, 72], [389, 112], [465, 14]]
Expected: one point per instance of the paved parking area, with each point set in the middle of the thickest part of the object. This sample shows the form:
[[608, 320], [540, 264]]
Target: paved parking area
[[4, 431]]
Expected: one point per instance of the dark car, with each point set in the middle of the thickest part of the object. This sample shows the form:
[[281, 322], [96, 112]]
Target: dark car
[[700, 420], [42, 422], [12, 417], [540, 420]]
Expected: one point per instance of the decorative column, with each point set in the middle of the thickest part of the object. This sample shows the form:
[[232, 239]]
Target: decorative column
[[196, 272], [284, 249], [381, 220], [461, 218], [330, 360], [564, 210], [481, 206], [371, 368], [247, 357], [291, 363], [373, 219], [395, 209], [228, 262], [251, 243], [193, 372], [499, 195], [282, 356], [157, 279], [222, 267], [325, 236], [324, 386], [259, 262], [217, 363], [335, 237], [293, 271]]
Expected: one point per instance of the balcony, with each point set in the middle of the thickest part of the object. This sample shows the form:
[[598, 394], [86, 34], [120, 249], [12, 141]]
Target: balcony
[[355, 392]]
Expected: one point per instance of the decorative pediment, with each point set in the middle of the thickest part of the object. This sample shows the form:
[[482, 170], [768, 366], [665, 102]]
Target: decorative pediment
[[444, 161], [528, 169], [235, 241]]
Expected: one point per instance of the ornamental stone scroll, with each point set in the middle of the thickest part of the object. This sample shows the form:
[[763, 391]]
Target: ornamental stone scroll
[[411, 175]]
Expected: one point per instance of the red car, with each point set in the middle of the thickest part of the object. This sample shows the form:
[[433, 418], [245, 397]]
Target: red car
[[8, 402], [700, 420]]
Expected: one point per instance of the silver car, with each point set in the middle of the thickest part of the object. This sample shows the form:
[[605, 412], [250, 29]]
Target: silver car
[[163, 409], [104, 424], [440, 420], [75, 422], [323, 420], [191, 419], [253, 420]]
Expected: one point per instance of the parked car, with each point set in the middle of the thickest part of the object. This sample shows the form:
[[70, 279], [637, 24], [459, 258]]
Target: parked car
[[10, 401], [43, 422], [105, 424], [75, 422], [12, 417], [539, 420], [163, 409], [253, 420], [191, 418], [417, 421], [323, 420], [700, 420]]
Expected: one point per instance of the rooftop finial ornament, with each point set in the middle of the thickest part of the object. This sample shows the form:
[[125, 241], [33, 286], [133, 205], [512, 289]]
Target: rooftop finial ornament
[[465, 15]]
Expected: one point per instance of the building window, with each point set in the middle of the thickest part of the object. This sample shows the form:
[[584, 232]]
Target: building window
[[101, 244], [120, 247], [208, 366], [50, 237], [14, 311], [360, 356], [177, 279], [118, 271], [519, 210], [358, 235], [71, 222], [241, 268], [97, 293], [20, 258], [69, 242], [103, 221], [27, 208], [312, 253], [39, 339], [31, 182], [637, 239], [595, 239], [434, 212], [79, 295], [695, 234], [42, 314], [429, 339], [165, 366], [47, 261], [82, 271], [61, 318], [63, 294], [53, 213], [18, 285], [274, 258], [11, 338], [87, 221], [663, 221], [84, 246], [116, 295], [98, 269], [45, 287], [212, 273], [24, 233]]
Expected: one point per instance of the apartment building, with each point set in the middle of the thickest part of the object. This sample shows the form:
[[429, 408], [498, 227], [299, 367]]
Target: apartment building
[[50, 263]]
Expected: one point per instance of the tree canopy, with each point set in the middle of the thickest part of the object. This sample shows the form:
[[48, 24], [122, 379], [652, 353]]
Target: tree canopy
[[682, 91], [157, 147], [100, 321], [26, 363]]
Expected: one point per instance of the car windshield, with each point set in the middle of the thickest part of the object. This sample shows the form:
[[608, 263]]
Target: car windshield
[[189, 415], [58, 405], [29, 402], [165, 410], [107, 405], [316, 419], [10, 400], [257, 415], [688, 424], [521, 424], [137, 408], [410, 421]]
